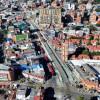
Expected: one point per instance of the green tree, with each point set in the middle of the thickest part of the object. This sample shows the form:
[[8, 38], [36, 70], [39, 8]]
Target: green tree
[[91, 38], [92, 28], [2, 91], [85, 52], [89, 43], [97, 1], [98, 25], [80, 98], [80, 42], [95, 53]]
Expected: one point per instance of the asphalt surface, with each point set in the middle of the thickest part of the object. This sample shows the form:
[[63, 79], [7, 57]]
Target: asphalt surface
[[66, 89], [60, 83]]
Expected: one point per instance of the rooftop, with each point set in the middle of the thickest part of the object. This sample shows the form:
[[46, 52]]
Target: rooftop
[[3, 67]]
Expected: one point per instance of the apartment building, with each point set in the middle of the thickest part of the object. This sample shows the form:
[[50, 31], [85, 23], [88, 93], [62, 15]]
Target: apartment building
[[49, 16]]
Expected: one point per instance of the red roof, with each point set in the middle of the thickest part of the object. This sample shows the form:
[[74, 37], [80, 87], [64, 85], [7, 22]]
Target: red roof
[[37, 98]]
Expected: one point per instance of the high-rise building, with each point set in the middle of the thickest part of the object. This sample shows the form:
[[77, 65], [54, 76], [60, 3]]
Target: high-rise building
[[64, 51], [50, 16], [1, 48], [93, 17]]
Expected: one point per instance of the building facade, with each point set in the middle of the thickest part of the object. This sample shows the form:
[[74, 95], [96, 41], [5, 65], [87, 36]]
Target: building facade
[[6, 74], [50, 16], [64, 51], [93, 18]]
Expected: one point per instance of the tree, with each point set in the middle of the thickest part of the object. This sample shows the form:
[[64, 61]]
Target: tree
[[91, 38], [2, 91], [85, 52], [95, 53], [97, 1], [80, 98], [62, 10], [80, 42], [89, 43], [92, 28], [98, 25]]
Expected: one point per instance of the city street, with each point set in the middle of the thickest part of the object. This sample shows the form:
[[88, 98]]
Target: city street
[[62, 77], [50, 50]]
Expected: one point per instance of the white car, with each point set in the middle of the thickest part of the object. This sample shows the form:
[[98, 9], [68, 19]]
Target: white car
[[71, 24]]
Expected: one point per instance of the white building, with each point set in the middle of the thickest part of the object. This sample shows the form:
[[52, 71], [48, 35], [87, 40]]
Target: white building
[[89, 6], [69, 6]]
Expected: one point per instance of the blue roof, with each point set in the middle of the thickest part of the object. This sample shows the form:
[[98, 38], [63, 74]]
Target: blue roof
[[8, 39], [98, 13], [34, 66], [25, 67]]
